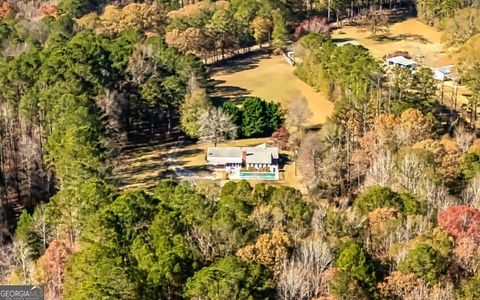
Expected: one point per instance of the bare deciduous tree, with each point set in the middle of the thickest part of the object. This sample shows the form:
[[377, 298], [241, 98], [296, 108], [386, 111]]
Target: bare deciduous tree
[[298, 112], [215, 127], [471, 195], [410, 171], [436, 194], [380, 170], [6, 262], [463, 137], [205, 241], [292, 283], [41, 224], [141, 64], [22, 259], [303, 276], [437, 292]]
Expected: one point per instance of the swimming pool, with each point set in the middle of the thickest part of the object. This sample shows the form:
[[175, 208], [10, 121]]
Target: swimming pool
[[259, 175]]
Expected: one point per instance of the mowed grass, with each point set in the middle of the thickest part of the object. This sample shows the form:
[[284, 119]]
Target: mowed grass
[[270, 78], [423, 42]]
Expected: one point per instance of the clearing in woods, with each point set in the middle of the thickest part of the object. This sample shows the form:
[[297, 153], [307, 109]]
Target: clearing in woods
[[423, 42], [270, 78]]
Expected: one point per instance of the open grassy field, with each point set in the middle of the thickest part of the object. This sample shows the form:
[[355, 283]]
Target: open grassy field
[[142, 167], [270, 78], [423, 42]]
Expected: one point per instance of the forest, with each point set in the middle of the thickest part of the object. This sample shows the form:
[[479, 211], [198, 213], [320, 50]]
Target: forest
[[392, 202]]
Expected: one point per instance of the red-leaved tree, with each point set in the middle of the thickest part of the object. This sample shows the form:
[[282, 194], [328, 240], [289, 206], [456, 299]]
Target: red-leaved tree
[[460, 221], [54, 261], [5, 9], [313, 25], [280, 138]]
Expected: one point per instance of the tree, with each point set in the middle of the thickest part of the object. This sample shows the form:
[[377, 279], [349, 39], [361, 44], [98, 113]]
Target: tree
[[230, 278], [280, 138], [222, 28], [354, 261], [344, 286], [53, 262], [424, 87], [76, 8], [298, 113], [313, 25], [271, 250], [262, 28], [42, 224], [463, 137], [234, 111], [378, 22], [466, 255], [260, 117], [460, 221], [141, 17], [26, 233], [22, 259], [279, 33], [469, 289], [196, 103], [98, 272], [303, 276], [377, 197], [215, 126], [424, 261], [397, 284]]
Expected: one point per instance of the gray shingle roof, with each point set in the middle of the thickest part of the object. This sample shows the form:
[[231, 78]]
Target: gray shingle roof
[[222, 155], [261, 154]]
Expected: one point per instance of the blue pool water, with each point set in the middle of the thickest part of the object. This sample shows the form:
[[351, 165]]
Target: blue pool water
[[258, 175]]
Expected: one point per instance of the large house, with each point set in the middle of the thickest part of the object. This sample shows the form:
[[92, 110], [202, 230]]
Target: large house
[[257, 163]]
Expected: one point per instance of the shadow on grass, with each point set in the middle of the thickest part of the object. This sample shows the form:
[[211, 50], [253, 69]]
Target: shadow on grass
[[400, 37], [342, 40], [188, 152], [240, 63]]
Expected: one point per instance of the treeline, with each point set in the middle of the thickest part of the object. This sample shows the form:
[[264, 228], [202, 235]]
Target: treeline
[[216, 28]]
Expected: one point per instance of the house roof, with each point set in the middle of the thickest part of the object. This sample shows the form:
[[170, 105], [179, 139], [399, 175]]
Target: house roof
[[442, 73], [261, 154], [258, 157], [223, 155], [401, 60], [445, 69]]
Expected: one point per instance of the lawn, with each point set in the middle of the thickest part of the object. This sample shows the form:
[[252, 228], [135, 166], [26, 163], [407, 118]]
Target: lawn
[[270, 78], [423, 42]]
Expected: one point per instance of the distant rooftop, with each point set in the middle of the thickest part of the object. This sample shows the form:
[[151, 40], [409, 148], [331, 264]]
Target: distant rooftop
[[400, 60]]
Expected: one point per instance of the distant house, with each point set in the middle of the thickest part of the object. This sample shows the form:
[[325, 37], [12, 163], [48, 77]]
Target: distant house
[[443, 73], [256, 163], [401, 61]]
